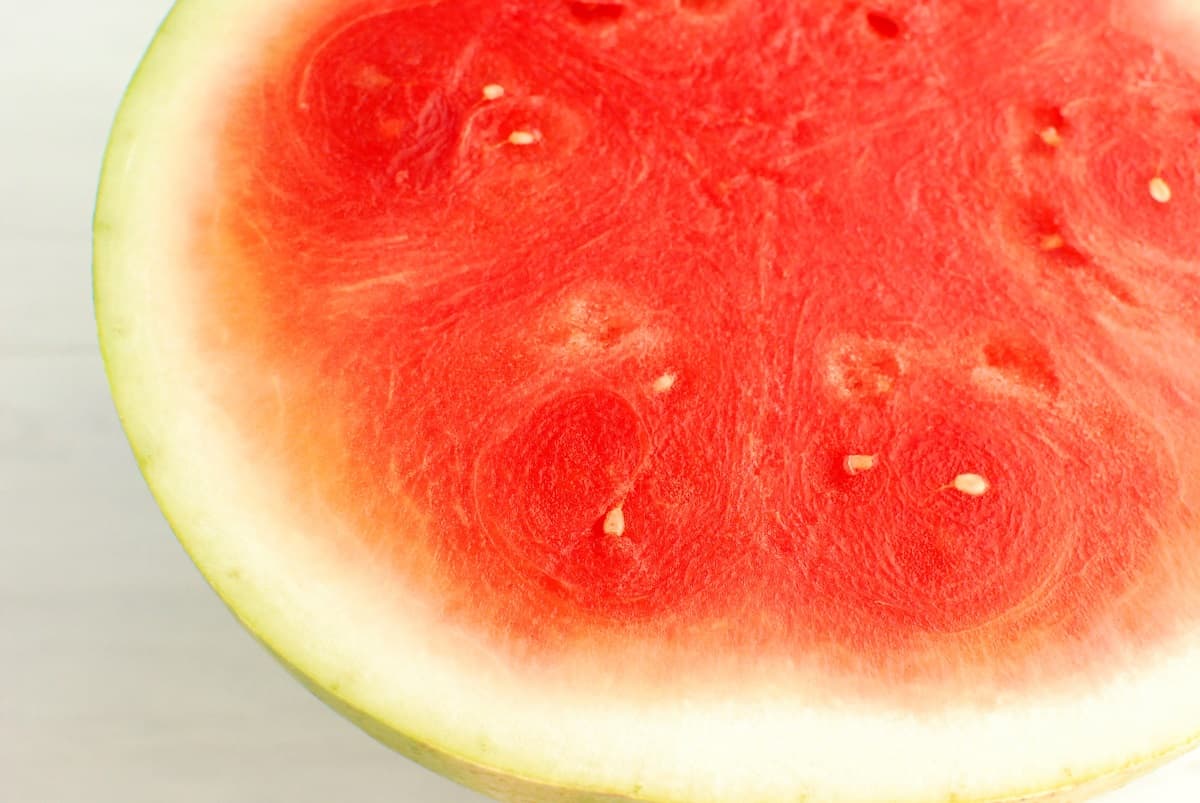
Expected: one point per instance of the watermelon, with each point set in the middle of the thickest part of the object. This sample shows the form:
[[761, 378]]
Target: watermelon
[[683, 400]]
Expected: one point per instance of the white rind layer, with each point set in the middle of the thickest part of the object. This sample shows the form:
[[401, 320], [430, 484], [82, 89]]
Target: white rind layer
[[413, 678]]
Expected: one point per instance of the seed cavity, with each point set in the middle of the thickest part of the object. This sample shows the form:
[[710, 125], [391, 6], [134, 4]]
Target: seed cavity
[[1016, 362], [601, 322], [594, 13], [704, 7], [971, 484], [1047, 229], [884, 25], [1046, 126], [862, 369]]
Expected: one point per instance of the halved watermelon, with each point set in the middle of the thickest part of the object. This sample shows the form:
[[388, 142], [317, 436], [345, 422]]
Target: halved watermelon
[[684, 400]]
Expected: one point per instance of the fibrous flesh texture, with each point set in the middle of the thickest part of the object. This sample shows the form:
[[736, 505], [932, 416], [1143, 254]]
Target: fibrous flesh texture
[[691, 260]]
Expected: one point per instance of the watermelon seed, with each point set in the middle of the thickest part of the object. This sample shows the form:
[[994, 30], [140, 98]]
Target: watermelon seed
[[524, 138], [856, 463], [971, 484], [664, 383], [1160, 190], [1050, 136], [493, 92], [1052, 242], [614, 522]]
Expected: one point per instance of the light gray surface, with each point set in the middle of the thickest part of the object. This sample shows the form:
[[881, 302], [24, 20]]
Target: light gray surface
[[122, 678]]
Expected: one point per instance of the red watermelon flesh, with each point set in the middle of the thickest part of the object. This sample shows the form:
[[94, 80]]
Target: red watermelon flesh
[[745, 242], [717, 341]]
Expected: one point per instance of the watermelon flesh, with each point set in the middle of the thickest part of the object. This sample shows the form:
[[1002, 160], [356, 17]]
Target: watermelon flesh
[[841, 360]]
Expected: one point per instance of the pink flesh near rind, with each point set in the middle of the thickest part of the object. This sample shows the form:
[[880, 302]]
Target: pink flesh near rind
[[835, 236]]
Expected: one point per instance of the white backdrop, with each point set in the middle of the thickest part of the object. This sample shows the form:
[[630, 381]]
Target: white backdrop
[[122, 678]]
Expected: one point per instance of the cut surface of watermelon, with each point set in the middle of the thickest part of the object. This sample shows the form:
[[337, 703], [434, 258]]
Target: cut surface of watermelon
[[677, 400]]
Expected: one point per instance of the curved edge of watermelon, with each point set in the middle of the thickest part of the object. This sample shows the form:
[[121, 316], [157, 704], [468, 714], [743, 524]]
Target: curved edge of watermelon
[[117, 351], [514, 788], [131, 351]]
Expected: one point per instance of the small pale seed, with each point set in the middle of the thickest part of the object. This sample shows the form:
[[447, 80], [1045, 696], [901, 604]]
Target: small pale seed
[[1052, 242], [523, 138], [1160, 190], [971, 484], [856, 463], [1050, 136], [663, 383], [614, 522]]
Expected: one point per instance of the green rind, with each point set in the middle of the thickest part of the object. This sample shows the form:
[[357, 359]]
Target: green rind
[[513, 788]]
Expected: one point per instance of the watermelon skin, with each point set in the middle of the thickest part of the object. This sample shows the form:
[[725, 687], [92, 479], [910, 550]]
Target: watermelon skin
[[512, 788], [262, 312]]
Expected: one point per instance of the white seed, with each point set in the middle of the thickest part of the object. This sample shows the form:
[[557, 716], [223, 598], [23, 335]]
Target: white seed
[[971, 484], [524, 138], [856, 463], [1052, 242], [1050, 136], [493, 92], [1160, 190], [614, 522], [664, 383]]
